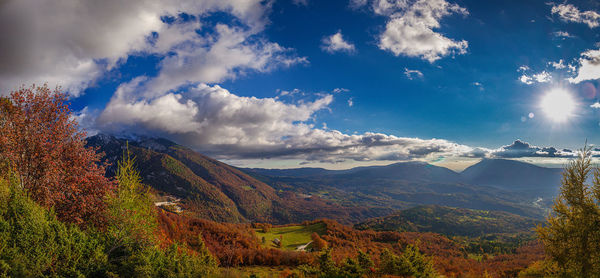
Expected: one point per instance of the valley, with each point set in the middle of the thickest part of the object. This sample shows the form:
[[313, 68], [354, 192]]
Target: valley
[[274, 217]]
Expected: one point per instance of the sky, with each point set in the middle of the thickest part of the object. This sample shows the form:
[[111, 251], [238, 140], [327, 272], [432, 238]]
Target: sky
[[307, 83]]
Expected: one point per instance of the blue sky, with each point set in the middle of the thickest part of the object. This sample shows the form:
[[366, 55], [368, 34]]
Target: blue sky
[[322, 83]]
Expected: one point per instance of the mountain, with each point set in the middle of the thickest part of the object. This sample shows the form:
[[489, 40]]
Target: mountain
[[402, 171], [515, 176], [399, 186], [451, 221], [213, 190]]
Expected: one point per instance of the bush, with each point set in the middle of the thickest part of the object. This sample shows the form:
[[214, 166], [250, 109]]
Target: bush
[[33, 243]]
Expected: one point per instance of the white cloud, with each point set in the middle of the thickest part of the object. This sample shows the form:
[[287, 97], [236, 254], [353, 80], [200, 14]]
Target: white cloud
[[562, 34], [355, 4], [340, 90], [74, 43], [224, 55], [412, 74], [542, 77], [520, 149], [208, 115], [217, 122], [570, 13], [409, 29], [558, 65], [596, 105], [589, 67], [529, 79], [526, 79], [295, 91], [336, 43]]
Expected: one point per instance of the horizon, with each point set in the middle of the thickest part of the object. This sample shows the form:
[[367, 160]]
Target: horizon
[[335, 84]]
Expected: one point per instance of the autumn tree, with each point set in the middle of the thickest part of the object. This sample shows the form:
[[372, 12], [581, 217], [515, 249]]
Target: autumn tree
[[317, 242], [571, 236], [43, 145]]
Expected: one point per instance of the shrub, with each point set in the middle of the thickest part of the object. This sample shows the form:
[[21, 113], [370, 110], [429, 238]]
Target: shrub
[[42, 144], [33, 243]]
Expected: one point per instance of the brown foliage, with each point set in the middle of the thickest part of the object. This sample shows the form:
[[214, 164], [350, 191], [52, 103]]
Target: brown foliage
[[42, 145], [317, 242], [232, 244]]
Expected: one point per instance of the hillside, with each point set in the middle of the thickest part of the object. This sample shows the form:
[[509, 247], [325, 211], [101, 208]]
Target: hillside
[[451, 221], [399, 186], [214, 190], [402, 171], [516, 176]]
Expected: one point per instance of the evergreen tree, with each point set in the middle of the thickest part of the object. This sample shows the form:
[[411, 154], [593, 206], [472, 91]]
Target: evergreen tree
[[571, 236], [365, 261], [411, 263], [132, 216], [327, 266]]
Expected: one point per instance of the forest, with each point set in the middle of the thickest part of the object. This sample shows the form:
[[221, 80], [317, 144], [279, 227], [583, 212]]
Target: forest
[[65, 211]]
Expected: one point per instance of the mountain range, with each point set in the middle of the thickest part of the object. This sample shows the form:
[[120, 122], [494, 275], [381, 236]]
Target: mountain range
[[214, 190]]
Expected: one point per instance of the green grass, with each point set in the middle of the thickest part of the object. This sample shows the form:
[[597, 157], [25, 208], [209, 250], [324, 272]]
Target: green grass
[[293, 236]]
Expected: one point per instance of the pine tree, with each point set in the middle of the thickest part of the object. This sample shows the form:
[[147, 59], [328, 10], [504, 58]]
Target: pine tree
[[365, 261], [132, 216], [571, 236]]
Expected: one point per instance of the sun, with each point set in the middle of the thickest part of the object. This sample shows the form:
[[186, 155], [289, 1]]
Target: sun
[[558, 105]]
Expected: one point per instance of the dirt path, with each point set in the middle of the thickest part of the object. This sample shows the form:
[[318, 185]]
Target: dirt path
[[303, 247]]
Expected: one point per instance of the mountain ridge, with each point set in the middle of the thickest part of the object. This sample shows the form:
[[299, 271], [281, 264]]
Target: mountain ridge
[[213, 190]]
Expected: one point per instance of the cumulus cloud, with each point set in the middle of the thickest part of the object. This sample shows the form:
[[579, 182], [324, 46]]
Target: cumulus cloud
[[558, 65], [595, 105], [410, 28], [520, 149], [527, 78], [74, 43], [589, 67], [220, 123], [412, 74], [224, 55], [336, 43], [570, 13]]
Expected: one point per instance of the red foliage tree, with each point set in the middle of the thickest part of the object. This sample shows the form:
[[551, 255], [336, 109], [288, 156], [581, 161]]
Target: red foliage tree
[[40, 143], [317, 242]]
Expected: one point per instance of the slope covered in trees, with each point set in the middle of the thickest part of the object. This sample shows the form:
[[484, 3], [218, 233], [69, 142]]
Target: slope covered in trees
[[60, 216], [399, 186], [214, 190], [451, 221]]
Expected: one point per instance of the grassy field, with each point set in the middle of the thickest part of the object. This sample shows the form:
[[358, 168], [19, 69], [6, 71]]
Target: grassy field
[[293, 236]]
